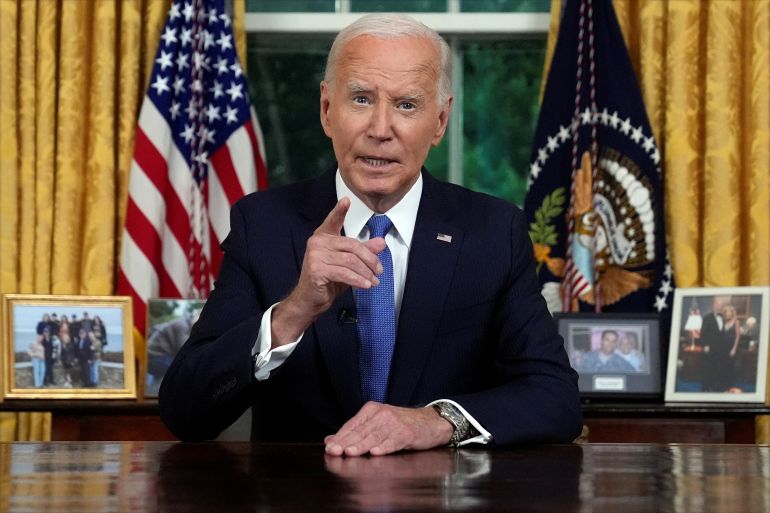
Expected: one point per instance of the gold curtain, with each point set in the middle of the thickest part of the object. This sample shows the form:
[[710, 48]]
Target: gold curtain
[[704, 72], [72, 78]]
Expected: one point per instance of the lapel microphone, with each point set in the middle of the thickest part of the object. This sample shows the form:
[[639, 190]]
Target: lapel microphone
[[347, 316]]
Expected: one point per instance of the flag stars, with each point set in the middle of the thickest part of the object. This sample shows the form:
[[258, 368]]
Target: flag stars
[[186, 37], [174, 12], [225, 19], [174, 110], [235, 91], [178, 86], [202, 158], [626, 126], [563, 133], [217, 90], [668, 271], [649, 144], [552, 144], [585, 116], [231, 115], [213, 16], [614, 120], [542, 155], [196, 86], [660, 303], [212, 113], [188, 11], [605, 117], [637, 134], [164, 60], [221, 66], [187, 135], [534, 170], [181, 61], [169, 36], [666, 288], [160, 85], [224, 41], [208, 39], [656, 156], [236, 69]]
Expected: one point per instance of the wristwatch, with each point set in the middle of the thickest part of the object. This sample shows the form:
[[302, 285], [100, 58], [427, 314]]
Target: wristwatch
[[460, 424]]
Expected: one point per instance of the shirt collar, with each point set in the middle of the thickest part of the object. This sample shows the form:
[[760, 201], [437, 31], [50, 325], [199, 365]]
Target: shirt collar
[[403, 214]]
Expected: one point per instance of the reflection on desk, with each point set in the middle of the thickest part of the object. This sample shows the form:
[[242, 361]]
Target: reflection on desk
[[240, 477]]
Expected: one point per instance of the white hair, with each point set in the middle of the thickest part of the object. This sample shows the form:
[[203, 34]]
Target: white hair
[[393, 26]]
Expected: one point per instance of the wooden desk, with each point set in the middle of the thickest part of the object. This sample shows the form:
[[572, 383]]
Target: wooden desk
[[240, 477]]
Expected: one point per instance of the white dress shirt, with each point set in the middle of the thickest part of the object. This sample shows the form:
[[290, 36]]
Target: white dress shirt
[[399, 239]]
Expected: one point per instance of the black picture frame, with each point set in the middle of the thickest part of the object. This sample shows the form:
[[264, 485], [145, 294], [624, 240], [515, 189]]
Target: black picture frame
[[631, 364]]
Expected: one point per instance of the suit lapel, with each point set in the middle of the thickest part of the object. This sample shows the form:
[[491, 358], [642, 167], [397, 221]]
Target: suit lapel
[[432, 263], [335, 331]]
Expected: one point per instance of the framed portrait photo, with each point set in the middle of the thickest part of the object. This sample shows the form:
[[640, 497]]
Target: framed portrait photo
[[67, 347], [169, 322], [613, 354], [719, 345]]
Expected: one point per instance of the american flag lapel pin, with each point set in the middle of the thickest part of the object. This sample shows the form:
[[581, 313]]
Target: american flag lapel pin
[[443, 237]]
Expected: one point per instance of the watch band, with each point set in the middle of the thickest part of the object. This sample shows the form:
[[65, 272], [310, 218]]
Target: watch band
[[461, 426]]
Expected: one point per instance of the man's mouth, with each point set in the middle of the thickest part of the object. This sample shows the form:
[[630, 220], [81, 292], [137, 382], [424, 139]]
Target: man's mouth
[[377, 162]]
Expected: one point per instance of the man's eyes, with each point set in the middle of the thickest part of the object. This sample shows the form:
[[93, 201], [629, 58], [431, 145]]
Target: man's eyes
[[404, 105]]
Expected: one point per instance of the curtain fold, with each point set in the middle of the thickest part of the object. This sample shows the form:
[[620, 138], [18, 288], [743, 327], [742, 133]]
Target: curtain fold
[[72, 78]]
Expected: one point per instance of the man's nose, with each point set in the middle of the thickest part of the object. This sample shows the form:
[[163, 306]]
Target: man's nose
[[381, 121]]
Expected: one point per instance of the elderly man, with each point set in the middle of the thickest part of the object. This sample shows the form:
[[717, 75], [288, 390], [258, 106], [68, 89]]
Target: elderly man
[[375, 308]]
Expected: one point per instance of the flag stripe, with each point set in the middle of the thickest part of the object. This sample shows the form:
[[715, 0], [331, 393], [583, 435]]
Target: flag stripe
[[240, 144], [224, 171], [219, 213], [139, 307]]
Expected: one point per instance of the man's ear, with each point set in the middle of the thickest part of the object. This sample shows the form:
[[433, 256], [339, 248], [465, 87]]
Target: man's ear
[[443, 122], [325, 102]]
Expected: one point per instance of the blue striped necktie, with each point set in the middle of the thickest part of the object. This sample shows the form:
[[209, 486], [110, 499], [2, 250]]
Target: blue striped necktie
[[376, 313]]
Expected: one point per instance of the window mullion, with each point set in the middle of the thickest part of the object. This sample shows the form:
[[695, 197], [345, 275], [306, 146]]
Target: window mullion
[[455, 128]]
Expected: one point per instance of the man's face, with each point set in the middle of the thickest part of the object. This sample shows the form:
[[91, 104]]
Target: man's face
[[383, 116], [625, 345], [609, 342]]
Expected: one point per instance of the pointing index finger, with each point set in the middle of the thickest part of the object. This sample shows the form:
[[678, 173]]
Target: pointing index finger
[[334, 222]]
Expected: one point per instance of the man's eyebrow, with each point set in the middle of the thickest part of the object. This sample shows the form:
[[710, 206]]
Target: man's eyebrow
[[357, 87]]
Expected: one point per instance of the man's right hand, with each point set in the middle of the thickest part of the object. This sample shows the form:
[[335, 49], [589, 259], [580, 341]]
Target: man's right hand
[[331, 264]]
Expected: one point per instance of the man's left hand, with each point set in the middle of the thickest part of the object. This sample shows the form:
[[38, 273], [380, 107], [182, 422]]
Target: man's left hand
[[379, 429]]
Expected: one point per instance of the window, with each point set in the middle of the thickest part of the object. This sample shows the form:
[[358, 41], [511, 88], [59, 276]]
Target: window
[[498, 61]]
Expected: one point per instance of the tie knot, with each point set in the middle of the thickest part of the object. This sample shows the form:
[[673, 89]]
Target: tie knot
[[379, 225]]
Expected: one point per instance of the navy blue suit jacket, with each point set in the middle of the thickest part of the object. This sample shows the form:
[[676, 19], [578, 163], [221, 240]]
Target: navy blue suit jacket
[[473, 327]]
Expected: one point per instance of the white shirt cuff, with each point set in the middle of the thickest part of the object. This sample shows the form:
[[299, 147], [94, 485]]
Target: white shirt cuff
[[267, 360], [484, 437]]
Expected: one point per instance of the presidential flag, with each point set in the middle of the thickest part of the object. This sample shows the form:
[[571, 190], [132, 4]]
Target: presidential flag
[[198, 149], [594, 201]]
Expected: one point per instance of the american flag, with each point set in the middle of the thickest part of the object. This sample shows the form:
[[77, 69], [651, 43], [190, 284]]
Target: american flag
[[198, 149]]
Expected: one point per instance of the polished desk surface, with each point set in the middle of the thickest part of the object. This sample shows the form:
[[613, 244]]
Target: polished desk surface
[[241, 477]]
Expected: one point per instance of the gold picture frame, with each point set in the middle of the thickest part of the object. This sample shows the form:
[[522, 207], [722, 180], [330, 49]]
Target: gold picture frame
[[66, 347]]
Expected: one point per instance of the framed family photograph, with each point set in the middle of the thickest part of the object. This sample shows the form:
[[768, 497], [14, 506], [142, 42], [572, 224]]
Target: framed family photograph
[[613, 354], [67, 347], [169, 322], [719, 345]]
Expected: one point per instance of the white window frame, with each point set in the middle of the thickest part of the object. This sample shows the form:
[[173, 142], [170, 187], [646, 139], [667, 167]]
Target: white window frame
[[452, 25]]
